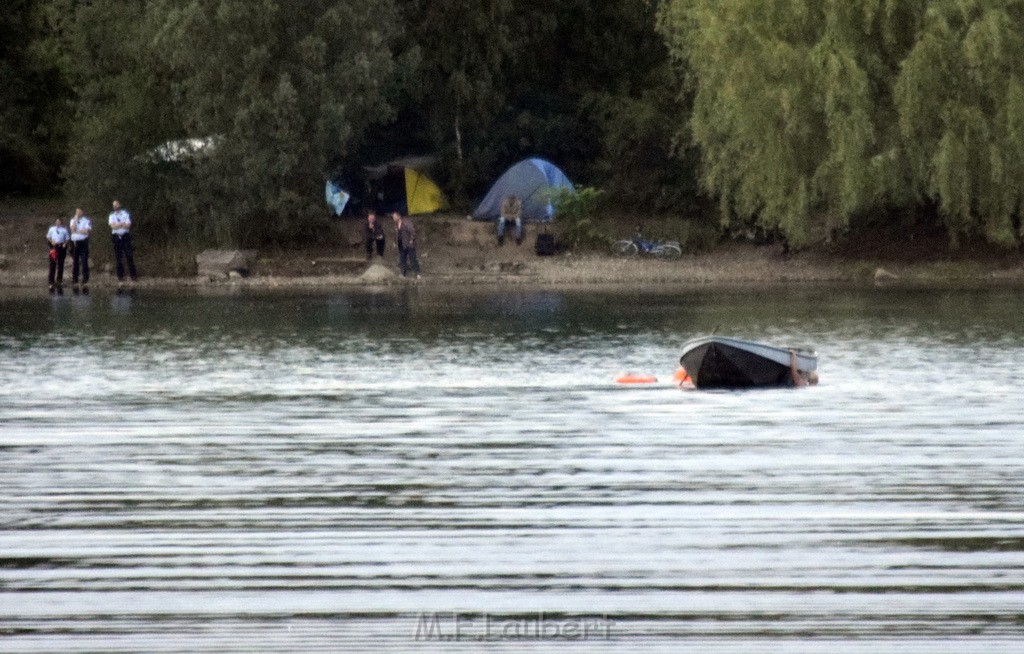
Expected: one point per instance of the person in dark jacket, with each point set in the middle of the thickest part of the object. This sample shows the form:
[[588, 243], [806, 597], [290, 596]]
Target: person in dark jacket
[[374, 235], [406, 237]]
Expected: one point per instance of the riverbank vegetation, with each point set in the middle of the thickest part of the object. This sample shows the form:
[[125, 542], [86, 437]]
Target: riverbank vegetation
[[218, 121]]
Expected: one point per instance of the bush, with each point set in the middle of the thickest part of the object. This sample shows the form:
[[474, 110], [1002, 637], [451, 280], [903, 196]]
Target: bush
[[574, 216]]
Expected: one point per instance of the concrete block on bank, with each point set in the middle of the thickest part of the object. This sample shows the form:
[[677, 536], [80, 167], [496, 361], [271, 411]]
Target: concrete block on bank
[[223, 262]]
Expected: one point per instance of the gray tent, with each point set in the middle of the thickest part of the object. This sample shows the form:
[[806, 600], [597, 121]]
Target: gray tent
[[533, 181]]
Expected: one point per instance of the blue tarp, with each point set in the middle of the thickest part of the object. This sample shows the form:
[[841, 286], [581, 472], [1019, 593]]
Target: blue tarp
[[533, 181], [335, 197]]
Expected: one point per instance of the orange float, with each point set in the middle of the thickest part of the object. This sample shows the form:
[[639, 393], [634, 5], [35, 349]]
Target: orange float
[[682, 378], [635, 378]]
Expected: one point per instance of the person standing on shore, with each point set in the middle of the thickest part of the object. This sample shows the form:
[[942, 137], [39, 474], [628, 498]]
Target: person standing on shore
[[81, 229], [406, 238], [374, 235], [57, 237], [120, 230]]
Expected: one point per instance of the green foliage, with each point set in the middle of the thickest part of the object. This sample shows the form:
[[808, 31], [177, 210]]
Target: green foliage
[[640, 163], [458, 84], [580, 82], [123, 110], [280, 89], [574, 216], [808, 114], [961, 105], [786, 109], [283, 88], [292, 91], [34, 108]]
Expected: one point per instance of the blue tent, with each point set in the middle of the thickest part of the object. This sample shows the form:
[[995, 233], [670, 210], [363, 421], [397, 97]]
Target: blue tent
[[533, 181]]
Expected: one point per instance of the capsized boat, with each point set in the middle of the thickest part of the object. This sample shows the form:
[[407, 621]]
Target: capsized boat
[[725, 362]]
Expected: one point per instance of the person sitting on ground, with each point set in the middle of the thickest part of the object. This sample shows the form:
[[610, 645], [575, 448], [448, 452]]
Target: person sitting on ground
[[800, 377], [511, 210], [374, 235]]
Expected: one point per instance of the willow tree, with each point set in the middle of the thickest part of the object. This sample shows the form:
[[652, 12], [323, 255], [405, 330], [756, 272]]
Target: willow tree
[[793, 107], [960, 97]]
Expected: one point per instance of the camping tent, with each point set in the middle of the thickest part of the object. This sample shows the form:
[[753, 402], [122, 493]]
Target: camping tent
[[533, 181], [401, 185]]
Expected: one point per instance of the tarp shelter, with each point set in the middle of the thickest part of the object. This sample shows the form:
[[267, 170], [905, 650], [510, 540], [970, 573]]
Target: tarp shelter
[[534, 181], [402, 185], [336, 197], [181, 150]]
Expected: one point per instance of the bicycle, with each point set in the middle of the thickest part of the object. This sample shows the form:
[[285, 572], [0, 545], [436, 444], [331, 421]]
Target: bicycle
[[637, 245]]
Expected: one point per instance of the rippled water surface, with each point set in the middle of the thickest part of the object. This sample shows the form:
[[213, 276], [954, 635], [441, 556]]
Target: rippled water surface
[[417, 471]]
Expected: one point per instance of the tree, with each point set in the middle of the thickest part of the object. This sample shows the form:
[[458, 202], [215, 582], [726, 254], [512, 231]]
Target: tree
[[793, 108], [808, 114], [283, 88], [459, 83], [502, 80], [276, 89], [960, 97], [123, 107], [34, 102]]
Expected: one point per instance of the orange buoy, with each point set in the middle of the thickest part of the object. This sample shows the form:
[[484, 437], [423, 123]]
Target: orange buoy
[[635, 378], [682, 378]]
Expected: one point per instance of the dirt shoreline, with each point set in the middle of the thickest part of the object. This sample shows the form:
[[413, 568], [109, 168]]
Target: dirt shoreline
[[455, 252]]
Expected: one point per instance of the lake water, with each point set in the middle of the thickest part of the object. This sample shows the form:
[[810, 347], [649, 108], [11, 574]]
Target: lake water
[[419, 471]]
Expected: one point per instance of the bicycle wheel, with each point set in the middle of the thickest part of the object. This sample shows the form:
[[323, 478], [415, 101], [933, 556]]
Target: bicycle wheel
[[668, 251], [625, 249]]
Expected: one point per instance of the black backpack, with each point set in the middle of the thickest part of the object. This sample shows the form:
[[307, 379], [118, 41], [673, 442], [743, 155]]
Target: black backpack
[[545, 246]]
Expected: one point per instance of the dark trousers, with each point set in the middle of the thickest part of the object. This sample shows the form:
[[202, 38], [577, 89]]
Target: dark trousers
[[370, 245], [123, 250], [407, 261], [57, 256], [80, 260]]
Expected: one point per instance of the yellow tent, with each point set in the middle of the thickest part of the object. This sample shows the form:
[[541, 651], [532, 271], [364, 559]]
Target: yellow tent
[[421, 194]]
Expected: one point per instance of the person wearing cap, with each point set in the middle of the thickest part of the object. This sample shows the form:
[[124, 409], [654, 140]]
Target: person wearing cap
[[120, 229], [57, 237], [81, 228]]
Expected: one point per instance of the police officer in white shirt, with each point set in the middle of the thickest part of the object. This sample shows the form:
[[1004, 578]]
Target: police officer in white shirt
[[120, 226], [81, 229], [57, 237]]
